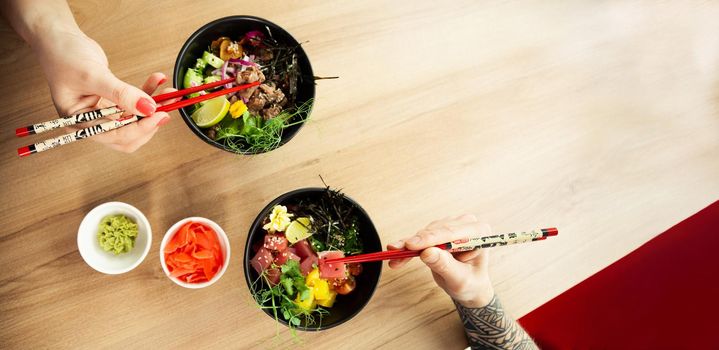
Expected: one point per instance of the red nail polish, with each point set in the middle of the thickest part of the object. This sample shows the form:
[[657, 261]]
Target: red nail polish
[[162, 81], [163, 121], [145, 106]]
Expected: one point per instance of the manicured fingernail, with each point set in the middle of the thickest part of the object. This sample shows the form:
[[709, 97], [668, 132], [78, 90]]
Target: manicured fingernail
[[414, 240], [163, 121], [162, 81], [145, 106]]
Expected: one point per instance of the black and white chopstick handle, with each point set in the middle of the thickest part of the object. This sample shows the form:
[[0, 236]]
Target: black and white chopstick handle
[[77, 135], [500, 239], [67, 121]]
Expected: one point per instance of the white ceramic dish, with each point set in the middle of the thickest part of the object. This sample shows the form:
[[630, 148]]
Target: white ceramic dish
[[108, 262], [224, 245]]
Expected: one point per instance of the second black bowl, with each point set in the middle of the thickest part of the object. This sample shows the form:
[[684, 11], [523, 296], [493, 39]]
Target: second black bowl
[[234, 27], [346, 306]]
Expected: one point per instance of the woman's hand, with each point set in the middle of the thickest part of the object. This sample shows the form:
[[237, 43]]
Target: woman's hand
[[464, 276], [80, 80], [78, 73]]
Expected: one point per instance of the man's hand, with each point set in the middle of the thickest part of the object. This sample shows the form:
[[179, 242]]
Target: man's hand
[[464, 276]]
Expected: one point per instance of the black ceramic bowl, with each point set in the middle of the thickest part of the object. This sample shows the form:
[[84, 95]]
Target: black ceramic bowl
[[346, 306], [236, 27]]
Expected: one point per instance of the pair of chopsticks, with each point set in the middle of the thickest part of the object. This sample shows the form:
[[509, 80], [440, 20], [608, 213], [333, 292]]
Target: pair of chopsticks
[[454, 247], [117, 123]]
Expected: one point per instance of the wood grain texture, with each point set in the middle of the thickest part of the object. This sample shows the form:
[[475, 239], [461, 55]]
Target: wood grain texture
[[599, 118]]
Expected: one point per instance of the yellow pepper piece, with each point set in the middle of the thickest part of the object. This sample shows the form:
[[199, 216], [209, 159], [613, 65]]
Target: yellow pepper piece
[[307, 304], [237, 109], [312, 277], [321, 290], [329, 301]]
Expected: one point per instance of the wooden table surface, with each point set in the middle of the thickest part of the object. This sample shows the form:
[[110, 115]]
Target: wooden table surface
[[599, 118]]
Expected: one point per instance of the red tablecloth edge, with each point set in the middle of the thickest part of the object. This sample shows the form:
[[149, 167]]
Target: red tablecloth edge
[[664, 294]]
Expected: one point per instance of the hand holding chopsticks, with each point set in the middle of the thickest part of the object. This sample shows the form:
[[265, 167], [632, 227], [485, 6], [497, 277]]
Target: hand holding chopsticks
[[104, 112], [114, 124], [463, 275]]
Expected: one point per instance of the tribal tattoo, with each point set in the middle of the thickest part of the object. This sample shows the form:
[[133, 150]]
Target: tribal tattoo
[[489, 327]]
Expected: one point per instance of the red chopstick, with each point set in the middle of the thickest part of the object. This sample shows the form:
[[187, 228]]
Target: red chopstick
[[192, 101], [104, 112], [114, 124], [454, 247], [183, 92]]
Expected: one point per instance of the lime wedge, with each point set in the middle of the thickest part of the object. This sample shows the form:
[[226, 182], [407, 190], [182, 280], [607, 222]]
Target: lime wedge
[[212, 112], [298, 230]]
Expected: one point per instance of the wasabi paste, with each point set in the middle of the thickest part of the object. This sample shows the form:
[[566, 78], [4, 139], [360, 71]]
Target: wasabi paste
[[117, 234]]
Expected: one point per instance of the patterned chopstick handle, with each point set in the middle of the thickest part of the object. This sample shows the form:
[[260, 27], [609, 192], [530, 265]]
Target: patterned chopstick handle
[[77, 135], [67, 121], [500, 239]]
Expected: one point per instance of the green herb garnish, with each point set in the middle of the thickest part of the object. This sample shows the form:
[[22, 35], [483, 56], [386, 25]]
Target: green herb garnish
[[280, 298], [252, 134]]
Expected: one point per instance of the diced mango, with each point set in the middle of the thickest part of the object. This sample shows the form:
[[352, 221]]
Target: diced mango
[[307, 304], [321, 289], [237, 109], [312, 277], [329, 301]]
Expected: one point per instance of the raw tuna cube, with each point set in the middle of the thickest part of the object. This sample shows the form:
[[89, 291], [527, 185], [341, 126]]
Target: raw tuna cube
[[257, 245], [276, 242], [307, 264], [282, 258], [303, 249], [262, 260], [331, 270], [273, 275]]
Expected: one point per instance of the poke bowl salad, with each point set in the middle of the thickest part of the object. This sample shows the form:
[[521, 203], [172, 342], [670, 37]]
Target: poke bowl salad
[[285, 258], [249, 50]]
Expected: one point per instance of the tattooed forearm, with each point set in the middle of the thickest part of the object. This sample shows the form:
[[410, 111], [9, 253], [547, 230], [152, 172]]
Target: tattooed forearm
[[489, 328]]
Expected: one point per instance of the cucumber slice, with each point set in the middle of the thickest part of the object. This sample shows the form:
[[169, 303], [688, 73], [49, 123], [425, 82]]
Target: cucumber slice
[[196, 105], [192, 76], [212, 79], [200, 64], [212, 60]]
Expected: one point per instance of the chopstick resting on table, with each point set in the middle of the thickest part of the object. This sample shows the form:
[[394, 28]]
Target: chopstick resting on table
[[455, 246], [114, 124]]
